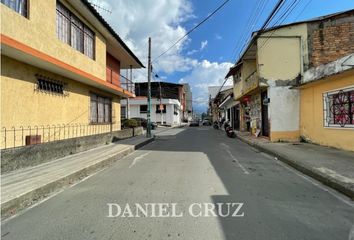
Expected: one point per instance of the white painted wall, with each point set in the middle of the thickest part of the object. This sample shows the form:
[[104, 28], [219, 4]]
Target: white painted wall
[[284, 108], [168, 118]]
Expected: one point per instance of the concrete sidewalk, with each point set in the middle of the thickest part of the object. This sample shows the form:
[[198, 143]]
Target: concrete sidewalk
[[24, 187], [331, 166]]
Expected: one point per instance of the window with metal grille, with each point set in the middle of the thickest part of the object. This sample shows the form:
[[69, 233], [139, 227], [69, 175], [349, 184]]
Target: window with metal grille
[[73, 31], [339, 108], [51, 86], [19, 6], [101, 109]]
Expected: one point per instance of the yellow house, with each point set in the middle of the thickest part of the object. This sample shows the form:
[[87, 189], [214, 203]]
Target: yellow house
[[263, 80], [60, 71], [327, 104], [268, 77]]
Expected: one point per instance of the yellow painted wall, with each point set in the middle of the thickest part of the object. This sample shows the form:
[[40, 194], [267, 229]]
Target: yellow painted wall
[[39, 32], [279, 57], [288, 136], [311, 115], [237, 90], [248, 67], [22, 105]]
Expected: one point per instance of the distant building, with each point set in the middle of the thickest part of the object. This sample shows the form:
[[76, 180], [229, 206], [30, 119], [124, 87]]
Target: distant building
[[166, 103], [188, 109], [216, 95]]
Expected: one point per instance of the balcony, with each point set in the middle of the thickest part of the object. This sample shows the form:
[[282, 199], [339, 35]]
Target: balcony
[[127, 84], [250, 83]]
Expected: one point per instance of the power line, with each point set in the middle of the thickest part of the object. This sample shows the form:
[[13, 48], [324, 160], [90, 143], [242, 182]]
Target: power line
[[191, 30], [308, 3], [268, 20], [281, 19], [249, 26]]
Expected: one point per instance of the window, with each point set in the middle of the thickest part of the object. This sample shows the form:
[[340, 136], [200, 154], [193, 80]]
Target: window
[[19, 6], [49, 85], [158, 108], [101, 109], [73, 31], [339, 108], [123, 112], [143, 108]]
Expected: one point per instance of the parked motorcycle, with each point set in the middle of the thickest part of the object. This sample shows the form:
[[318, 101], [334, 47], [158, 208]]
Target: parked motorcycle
[[229, 130], [216, 125]]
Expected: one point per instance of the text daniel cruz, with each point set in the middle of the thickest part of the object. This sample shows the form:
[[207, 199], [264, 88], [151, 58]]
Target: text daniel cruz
[[173, 210]]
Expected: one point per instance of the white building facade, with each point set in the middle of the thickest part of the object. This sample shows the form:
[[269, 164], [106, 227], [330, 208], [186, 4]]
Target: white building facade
[[164, 111]]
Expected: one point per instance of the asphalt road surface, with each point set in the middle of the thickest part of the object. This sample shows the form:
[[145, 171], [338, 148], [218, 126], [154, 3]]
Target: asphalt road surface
[[183, 175]]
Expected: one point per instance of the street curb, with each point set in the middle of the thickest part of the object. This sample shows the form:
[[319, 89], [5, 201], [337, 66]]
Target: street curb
[[21, 202], [304, 169]]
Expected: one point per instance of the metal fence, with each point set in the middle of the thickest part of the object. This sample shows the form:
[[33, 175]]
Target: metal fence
[[127, 84], [22, 136]]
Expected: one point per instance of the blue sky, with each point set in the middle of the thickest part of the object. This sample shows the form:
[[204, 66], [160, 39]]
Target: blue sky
[[204, 57], [229, 23]]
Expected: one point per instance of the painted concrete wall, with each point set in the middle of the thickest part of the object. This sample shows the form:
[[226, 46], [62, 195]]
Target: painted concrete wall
[[22, 105], [168, 117], [279, 57], [311, 118], [39, 32], [237, 90], [255, 112], [248, 67], [240, 88], [283, 110]]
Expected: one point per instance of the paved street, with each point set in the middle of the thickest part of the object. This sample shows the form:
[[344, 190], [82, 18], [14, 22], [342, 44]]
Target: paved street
[[186, 166]]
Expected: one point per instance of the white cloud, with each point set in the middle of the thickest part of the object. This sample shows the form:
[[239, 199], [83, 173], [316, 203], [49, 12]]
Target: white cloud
[[203, 44], [192, 52], [136, 21], [218, 37], [203, 75]]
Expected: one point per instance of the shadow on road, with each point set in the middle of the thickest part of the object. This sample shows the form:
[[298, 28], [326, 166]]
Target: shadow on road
[[277, 203]]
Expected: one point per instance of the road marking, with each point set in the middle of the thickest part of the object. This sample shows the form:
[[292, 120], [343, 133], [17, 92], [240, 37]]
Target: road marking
[[137, 159], [227, 148], [313, 181]]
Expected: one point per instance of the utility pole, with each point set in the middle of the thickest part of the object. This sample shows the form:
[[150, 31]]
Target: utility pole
[[148, 130], [161, 106]]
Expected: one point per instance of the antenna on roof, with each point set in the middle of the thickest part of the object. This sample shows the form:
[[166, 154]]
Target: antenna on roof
[[99, 8]]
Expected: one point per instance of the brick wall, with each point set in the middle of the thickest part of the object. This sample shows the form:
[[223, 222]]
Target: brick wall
[[331, 39]]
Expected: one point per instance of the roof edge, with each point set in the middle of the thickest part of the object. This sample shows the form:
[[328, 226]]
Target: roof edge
[[110, 30]]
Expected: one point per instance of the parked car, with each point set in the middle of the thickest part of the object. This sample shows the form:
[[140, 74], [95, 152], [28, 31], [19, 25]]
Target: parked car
[[206, 123], [143, 123], [194, 123]]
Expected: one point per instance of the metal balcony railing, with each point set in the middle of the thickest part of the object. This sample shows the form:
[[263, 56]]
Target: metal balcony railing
[[127, 84], [250, 83]]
